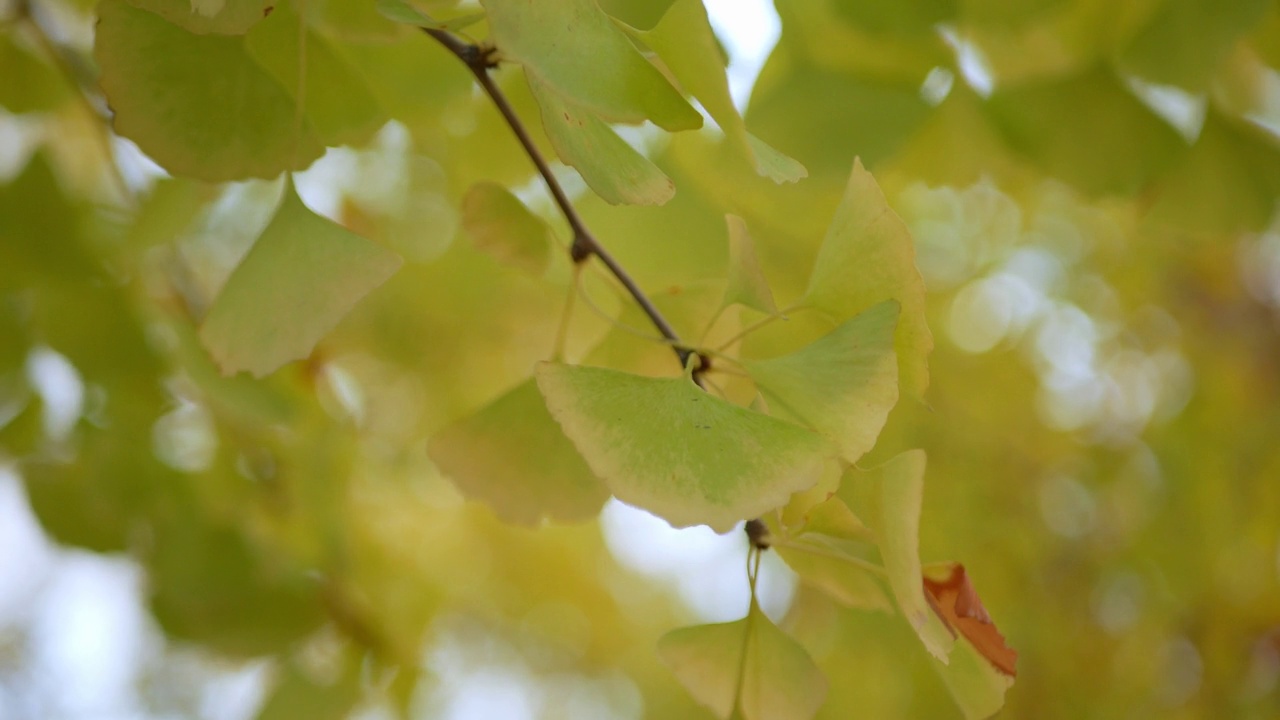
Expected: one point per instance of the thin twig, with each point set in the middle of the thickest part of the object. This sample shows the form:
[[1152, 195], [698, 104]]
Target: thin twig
[[479, 60]]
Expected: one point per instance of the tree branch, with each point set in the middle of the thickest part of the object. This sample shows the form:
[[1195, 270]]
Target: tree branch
[[479, 60]]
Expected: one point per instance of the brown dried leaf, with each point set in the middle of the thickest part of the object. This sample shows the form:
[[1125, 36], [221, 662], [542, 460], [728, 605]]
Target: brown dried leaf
[[955, 601]]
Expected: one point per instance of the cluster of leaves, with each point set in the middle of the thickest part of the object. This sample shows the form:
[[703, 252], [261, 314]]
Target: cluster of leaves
[[305, 471]]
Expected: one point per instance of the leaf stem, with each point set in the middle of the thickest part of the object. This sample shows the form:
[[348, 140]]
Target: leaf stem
[[479, 60]]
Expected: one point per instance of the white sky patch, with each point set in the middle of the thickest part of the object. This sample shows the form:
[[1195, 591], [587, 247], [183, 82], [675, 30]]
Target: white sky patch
[[705, 570], [749, 29]]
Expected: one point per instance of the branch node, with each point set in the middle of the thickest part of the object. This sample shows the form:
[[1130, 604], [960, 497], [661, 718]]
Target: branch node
[[758, 534]]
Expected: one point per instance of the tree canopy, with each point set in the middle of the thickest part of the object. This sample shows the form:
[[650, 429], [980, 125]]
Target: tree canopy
[[368, 331]]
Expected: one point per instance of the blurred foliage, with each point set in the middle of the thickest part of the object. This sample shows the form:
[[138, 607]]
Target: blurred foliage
[[1092, 190]]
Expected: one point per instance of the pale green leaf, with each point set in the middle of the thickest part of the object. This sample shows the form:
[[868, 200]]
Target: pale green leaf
[[895, 492], [866, 258], [402, 12], [500, 225], [825, 565], [1186, 40], [775, 681], [611, 167], [977, 687], [664, 445], [196, 104], [842, 385], [834, 519], [301, 276], [513, 456], [747, 284], [685, 42], [335, 100], [204, 17], [593, 63]]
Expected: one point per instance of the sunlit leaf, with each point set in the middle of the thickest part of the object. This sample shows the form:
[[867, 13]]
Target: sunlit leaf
[[776, 680], [403, 12], [594, 65], [203, 17], [894, 493], [611, 167], [301, 276], [685, 42], [335, 100], [866, 258], [299, 694], [664, 445], [843, 385], [199, 105], [747, 284], [513, 456], [500, 225]]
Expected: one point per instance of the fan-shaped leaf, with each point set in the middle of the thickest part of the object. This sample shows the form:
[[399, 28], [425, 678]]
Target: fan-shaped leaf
[[867, 257], [685, 42], [843, 385], [895, 491], [664, 445], [199, 105], [513, 456], [746, 281], [593, 64], [775, 681], [611, 167], [301, 276], [203, 17]]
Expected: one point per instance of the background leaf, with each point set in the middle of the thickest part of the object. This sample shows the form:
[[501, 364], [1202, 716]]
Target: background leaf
[[302, 275]]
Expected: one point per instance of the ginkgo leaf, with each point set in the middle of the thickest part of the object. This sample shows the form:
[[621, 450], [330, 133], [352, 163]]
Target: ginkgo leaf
[[981, 667], [335, 100], [684, 40], [402, 12], [895, 492], [198, 105], [500, 225], [513, 456], [611, 167], [297, 281], [594, 65], [826, 565], [867, 257], [749, 665], [843, 385], [746, 281], [203, 17], [664, 445]]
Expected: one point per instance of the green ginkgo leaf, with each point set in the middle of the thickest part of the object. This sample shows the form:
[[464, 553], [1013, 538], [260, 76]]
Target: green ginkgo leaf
[[198, 105], [843, 385], [749, 666], [204, 17], [500, 225], [297, 281], [664, 445], [826, 565], [594, 65], [687, 45], [334, 99], [747, 284], [867, 257], [610, 167], [513, 456], [894, 492]]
